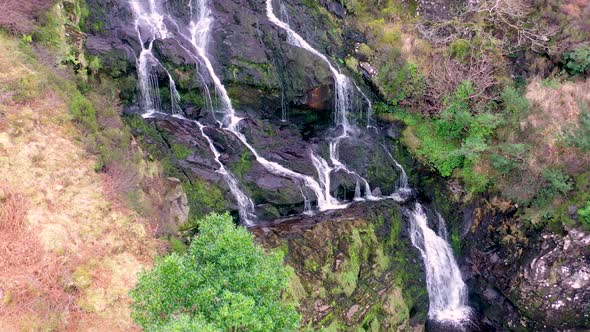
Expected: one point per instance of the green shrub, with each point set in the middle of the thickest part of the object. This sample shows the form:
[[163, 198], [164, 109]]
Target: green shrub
[[514, 102], [585, 213], [224, 282], [83, 112], [460, 49], [399, 83], [580, 135], [559, 181], [577, 61]]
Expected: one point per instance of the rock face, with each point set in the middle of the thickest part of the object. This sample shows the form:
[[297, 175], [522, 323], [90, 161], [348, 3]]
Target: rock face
[[264, 75], [543, 275], [175, 208], [354, 268]]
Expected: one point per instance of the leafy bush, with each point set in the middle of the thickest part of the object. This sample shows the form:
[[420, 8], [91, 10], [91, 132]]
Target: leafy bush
[[580, 136], [514, 102], [585, 213], [559, 181], [225, 282], [577, 62], [401, 83], [83, 111], [460, 49]]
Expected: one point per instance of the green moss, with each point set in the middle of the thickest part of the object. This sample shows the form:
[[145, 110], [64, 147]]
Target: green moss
[[295, 292], [181, 151], [244, 165], [203, 198], [365, 51], [177, 245], [352, 64], [460, 49]]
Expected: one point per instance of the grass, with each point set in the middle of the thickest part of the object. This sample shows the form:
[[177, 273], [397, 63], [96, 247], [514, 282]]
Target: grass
[[47, 129]]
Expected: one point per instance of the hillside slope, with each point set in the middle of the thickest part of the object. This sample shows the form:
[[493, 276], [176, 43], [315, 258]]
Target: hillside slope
[[69, 249]]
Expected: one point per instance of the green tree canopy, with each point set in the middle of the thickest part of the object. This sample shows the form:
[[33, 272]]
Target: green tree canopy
[[225, 282]]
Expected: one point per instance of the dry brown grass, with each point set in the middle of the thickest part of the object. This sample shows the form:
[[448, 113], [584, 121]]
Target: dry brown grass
[[71, 254], [20, 16], [554, 111]]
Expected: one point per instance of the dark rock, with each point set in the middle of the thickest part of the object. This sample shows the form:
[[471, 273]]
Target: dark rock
[[545, 275], [572, 211], [335, 8], [334, 286], [491, 294]]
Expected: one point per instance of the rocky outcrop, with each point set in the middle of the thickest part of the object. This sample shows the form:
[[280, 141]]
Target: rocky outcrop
[[543, 275], [353, 268]]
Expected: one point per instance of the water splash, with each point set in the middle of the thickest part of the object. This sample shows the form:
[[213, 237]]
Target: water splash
[[447, 293], [403, 180]]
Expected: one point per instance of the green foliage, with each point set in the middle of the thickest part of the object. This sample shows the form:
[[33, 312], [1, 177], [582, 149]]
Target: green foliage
[[83, 112], [177, 246], [27, 39], [585, 213], [185, 323], [225, 282], [580, 135], [460, 49], [456, 117], [400, 83], [559, 181], [577, 62], [514, 102]]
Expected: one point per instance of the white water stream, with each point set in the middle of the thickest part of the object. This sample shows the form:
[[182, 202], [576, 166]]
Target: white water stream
[[153, 18], [447, 293], [344, 101]]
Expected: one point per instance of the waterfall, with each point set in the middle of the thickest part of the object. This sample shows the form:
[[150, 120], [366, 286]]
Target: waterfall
[[357, 191], [404, 186], [245, 204], [343, 101], [447, 293], [199, 30], [147, 62]]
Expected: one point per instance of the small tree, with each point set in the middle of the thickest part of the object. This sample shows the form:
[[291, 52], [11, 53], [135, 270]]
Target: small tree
[[225, 282]]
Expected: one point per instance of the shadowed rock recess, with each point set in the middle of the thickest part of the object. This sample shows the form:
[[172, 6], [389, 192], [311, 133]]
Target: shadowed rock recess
[[354, 269]]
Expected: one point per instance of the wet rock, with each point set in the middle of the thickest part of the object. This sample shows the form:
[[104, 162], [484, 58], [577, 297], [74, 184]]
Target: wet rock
[[339, 258], [368, 69], [175, 208], [544, 274], [491, 294]]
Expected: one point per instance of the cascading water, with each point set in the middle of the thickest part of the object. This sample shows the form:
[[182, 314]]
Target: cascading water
[[154, 21], [344, 95], [404, 186], [447, 293], [199, 30], [147, 63]]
